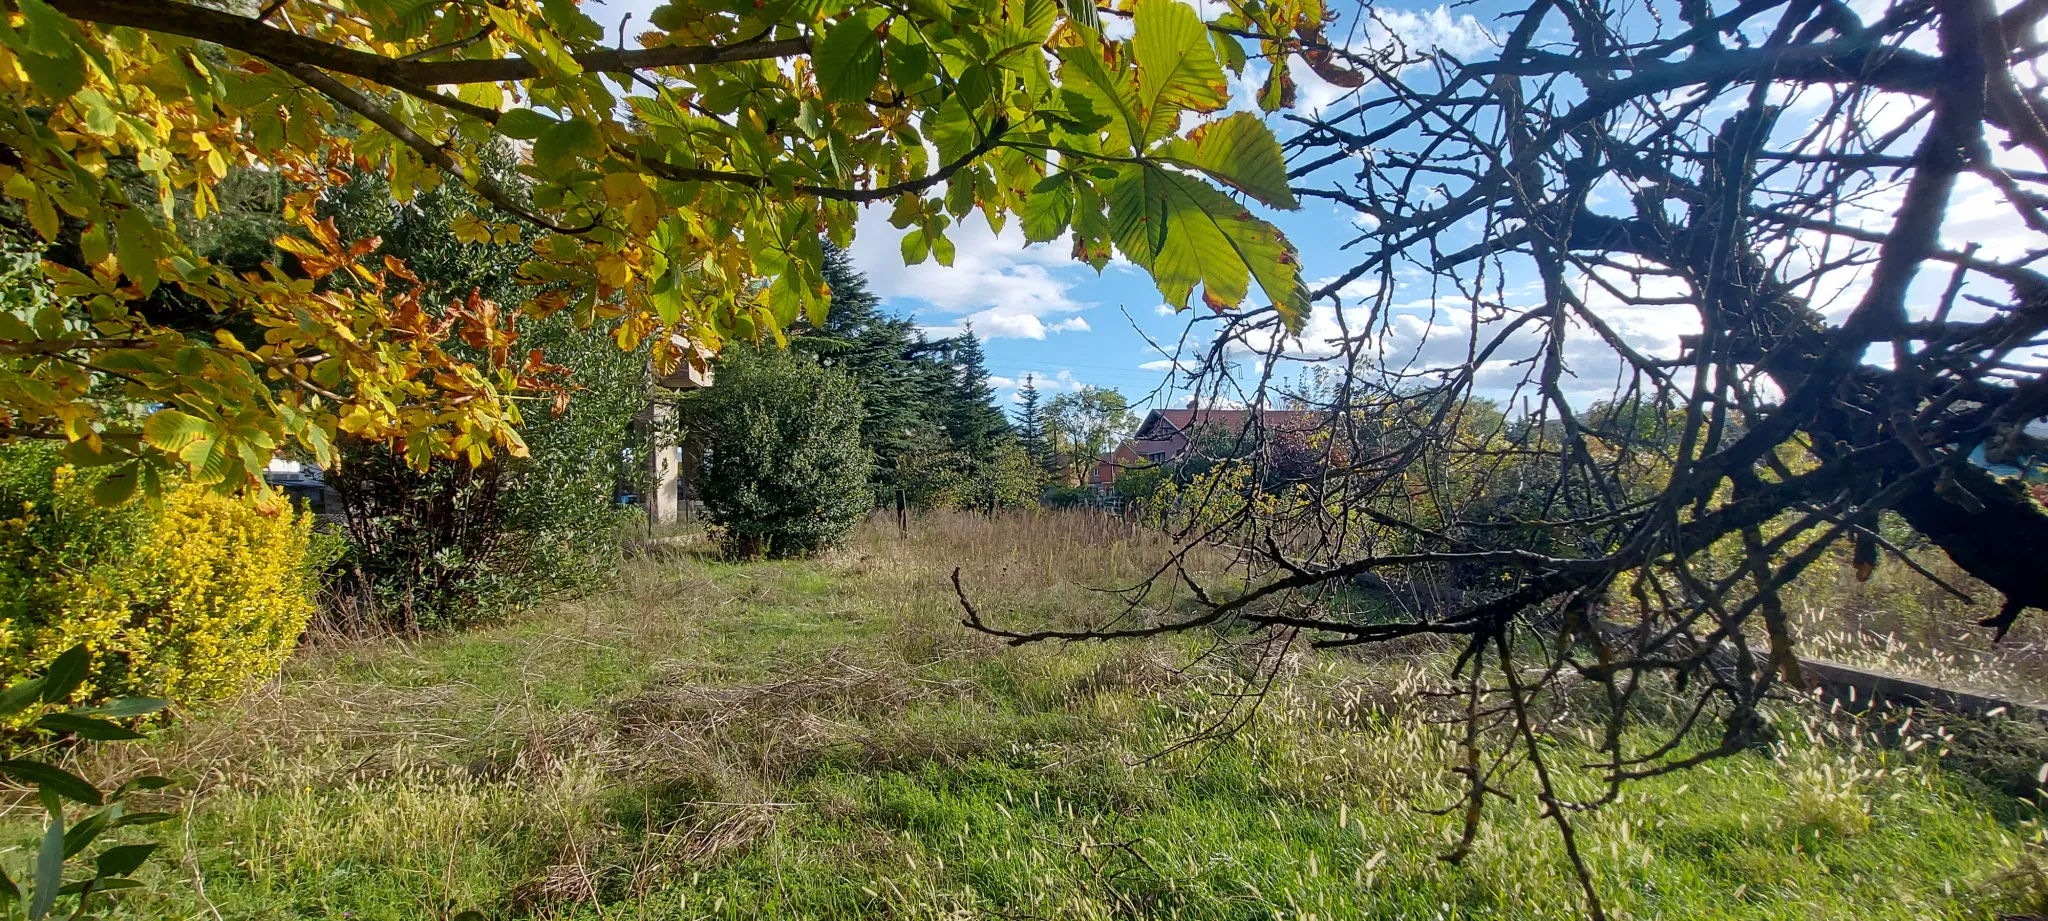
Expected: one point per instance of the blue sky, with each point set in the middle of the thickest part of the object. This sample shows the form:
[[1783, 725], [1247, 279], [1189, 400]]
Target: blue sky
[[1040, 313]]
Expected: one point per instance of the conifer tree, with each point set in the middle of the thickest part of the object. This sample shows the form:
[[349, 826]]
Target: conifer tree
[[967, 404], [1030, 424], [891, 363]]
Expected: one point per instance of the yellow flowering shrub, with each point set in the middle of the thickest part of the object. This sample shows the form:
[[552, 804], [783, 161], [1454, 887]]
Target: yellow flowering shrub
[[220, 589], [189, 601]]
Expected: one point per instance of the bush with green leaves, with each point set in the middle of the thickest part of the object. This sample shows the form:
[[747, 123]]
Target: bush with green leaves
[[454, 543], [38, 703], [786, 474]]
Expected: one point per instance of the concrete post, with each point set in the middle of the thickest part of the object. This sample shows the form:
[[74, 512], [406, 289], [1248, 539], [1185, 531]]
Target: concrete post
[[664, 470], [664, 464]]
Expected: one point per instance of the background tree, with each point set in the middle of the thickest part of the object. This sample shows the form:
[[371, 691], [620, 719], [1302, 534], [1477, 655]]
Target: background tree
[[1787, 178], [968, 405], [895, 366], [1030, 423], [785, 474], [688, 209], [1083, 424], [930, 414]]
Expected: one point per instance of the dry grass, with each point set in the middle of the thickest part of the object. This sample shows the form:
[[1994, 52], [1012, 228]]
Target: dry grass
[[824, 740], [1901, 622]]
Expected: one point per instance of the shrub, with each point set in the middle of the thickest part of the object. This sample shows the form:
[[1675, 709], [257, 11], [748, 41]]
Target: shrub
[[188, 602], [786, 473], [220, 596], [456, 542], [1003, 476]]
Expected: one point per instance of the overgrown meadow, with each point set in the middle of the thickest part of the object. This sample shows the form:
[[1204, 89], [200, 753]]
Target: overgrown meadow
[[824, 740]]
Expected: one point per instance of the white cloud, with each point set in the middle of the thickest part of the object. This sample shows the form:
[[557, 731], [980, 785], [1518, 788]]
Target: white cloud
[[1398, 33], [997, 283], [1460, 34], [1006, 384]]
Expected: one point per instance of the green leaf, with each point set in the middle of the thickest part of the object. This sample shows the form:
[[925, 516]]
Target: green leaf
[[1082, 13], [560, 144], [1049, 209], [1177, 67], [66, 672], [1184, 232], [52, 778], [669, 17], [1228, 51], [124, 707], [136, 247], [123, 860], [10, 891], [915, 247], [173, 431], [1241, 152], [48, 46], [668, 304], [97, 884], [848, 61], [49, 868], [44, 30], [18, 697], [942, 250], [1278, 91], [1106, 94], [524, 124], [82, 835], [88, 727], [118, 487], [909, 61], [144, 782], [142, 818], [952, 130]]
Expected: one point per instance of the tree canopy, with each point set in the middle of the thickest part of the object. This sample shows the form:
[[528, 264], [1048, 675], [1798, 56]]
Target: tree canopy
[[927, 405], [683, 184]]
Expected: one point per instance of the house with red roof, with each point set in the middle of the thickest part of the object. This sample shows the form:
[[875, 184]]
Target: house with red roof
[[1165, 435]]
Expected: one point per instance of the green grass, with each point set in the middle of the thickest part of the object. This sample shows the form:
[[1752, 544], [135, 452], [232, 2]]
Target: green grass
[[822, 740]]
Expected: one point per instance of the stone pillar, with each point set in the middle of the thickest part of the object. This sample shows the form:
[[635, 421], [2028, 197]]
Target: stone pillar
[[664, 463], [664, 469]]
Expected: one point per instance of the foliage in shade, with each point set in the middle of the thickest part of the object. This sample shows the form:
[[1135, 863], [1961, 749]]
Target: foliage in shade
[[786, 474], [455, 541]]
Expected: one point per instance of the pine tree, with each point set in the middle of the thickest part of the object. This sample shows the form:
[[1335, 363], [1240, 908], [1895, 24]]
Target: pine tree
[[888, 357], [967, 407], [1030, 424], [929, 413]]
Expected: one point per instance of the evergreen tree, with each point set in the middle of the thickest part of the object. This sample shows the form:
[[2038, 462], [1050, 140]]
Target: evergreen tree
[[930, 415], [967, 405], [892, 364], [1030, 424]]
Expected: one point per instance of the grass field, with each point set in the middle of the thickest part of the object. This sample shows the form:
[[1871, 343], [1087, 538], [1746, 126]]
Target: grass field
[[822, 740]]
